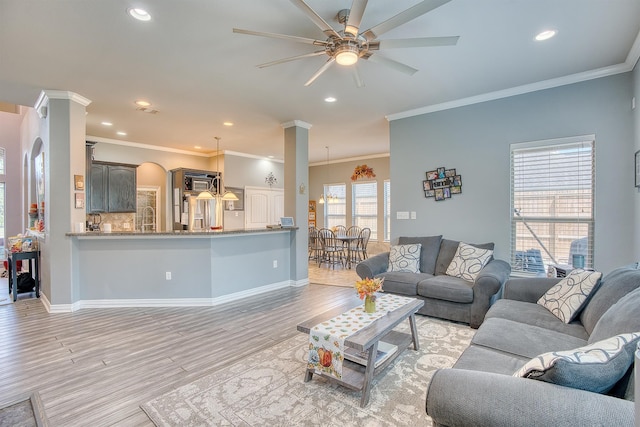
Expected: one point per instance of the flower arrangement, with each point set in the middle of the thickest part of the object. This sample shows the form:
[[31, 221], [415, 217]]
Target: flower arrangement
[[368, 287], [362, 171]]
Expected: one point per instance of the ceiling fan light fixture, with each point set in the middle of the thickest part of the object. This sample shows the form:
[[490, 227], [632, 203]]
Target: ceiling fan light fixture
[[350, 29], [347, 54]]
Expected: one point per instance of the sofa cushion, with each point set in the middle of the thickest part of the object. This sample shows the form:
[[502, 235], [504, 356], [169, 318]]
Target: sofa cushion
[[446, 288], [596, 367], [623, 317], [402, 283], [428, 252], [448, 249], [405, 258], [569, 295], [613, 286], [468, 261], [479, 358], [521, 339], [535, 315]]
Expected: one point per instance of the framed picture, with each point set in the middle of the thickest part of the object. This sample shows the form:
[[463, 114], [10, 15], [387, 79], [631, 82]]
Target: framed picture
[[638, 168], [235, 205], [457, 181], [430, 193], [79, 200], [439, 194], [456, 189], [426, 185], [440, 173], [449, 172], [78, 181], [312, 216], [447, 192], [431, 175]]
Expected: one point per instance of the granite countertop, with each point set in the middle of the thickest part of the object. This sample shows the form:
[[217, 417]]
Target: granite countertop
[[179, 233]]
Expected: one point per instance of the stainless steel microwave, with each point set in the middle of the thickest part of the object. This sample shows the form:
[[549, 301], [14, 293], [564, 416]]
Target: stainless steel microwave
[[200, 185]]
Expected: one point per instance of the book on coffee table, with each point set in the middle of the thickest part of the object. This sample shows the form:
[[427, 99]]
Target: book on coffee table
[[385, 350]]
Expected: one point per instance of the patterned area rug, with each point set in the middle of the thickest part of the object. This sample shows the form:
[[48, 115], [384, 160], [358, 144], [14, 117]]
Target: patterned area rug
[[267, 388]]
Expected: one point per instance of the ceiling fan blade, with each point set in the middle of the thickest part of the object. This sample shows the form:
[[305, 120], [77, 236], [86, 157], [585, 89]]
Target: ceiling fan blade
[[322, 69], [417, 42], [399, 66], [317, 19], [281, 36], [355, 17], [357, 78], [292, 58], [403, 17]]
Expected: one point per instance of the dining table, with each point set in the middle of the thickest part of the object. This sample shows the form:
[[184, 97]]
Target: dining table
[[347, 243]]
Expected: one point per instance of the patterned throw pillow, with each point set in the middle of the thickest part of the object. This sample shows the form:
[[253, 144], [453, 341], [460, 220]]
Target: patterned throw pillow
[[468, 261], [405, 258], [596, 367], [569, 295]]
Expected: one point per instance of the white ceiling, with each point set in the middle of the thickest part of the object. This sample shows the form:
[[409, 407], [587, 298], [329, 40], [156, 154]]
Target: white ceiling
[[198, 73]]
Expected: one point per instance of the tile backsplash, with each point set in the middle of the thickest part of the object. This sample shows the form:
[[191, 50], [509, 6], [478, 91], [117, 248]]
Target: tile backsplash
[[118, 221]]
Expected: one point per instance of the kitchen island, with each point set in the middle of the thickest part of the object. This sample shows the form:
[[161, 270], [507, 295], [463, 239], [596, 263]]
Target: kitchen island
[[179, 268]]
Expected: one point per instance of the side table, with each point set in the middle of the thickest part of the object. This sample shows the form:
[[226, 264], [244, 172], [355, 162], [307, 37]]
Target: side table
[[34, 267]]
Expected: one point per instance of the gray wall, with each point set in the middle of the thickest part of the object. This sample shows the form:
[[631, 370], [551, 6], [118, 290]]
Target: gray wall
[[340, 173], [636, 128], [475, 141], [10, 141]]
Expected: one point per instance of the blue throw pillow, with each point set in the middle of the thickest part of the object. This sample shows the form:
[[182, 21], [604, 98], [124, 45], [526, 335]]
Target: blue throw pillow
[[596, 367]]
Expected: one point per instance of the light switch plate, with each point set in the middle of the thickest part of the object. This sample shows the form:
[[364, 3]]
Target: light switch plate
[[402, 215], [413, 215]]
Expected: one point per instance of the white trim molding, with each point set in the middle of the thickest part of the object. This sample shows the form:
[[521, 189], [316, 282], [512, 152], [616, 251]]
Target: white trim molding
[[298, 123]]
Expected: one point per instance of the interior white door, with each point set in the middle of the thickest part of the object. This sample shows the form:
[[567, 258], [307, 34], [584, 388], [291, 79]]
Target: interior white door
[[263, 206]]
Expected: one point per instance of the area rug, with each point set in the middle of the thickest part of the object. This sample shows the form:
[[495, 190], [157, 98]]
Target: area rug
[[23, 411], [267, 388]]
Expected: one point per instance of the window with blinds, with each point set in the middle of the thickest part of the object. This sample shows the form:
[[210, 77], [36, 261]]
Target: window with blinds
[[364, 209], [387, 210], [335, 206], [552, 198]]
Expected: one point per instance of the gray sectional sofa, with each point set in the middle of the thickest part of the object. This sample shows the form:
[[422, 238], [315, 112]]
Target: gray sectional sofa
[[445, 296], [480, 389]]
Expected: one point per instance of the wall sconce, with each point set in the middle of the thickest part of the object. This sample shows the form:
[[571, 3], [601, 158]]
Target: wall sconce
[[271, 179]]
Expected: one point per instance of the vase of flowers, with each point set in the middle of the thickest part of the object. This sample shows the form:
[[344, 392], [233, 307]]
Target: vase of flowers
[[367, 289]]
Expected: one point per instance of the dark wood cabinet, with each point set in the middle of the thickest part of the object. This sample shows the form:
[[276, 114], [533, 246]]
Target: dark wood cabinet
[[112, 188]]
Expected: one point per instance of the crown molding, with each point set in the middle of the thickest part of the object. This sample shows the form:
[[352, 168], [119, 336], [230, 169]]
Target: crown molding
[[628, 65], [298, 123], [145, 146], [250, 156], [350, 159]]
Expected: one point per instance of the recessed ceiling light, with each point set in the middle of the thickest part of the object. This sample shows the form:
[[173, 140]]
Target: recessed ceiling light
[[143, 103], [139, 14], [197, 147], [121, 133], [271, 157], [228, 123], [330, 99], [107, 124], [546, 35]]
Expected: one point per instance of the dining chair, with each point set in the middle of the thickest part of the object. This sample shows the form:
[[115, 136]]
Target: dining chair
[[353, 233], [332, 250], [315, 249], [363, 241], [340, 230]]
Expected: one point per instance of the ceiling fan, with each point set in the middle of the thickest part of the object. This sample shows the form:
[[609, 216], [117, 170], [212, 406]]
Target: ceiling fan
[[346, 46]]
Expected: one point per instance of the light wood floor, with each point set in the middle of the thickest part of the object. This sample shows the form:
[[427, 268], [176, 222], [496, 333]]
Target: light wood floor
[[95, 367]]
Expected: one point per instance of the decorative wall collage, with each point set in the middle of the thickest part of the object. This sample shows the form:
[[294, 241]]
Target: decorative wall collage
[[441, 184]]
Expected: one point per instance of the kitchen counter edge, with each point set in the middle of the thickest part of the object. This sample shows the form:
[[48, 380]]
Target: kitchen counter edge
[[178, 233]]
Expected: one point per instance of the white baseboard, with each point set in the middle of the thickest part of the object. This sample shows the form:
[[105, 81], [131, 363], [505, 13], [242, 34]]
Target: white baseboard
[[167, 302]]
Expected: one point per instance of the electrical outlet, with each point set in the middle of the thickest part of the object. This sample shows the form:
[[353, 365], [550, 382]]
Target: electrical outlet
[[168, 275], [413, 215], [275, 263]]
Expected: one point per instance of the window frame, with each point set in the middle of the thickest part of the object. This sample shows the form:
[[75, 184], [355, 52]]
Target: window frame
[[574, 194], [354, 205], [333, 219]]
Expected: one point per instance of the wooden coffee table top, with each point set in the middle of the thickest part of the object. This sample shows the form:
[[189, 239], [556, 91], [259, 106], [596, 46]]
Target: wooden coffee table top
[[372, 333]]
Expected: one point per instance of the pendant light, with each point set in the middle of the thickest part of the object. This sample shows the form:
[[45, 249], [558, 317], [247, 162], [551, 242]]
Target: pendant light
[[328, 196], [216, 191]]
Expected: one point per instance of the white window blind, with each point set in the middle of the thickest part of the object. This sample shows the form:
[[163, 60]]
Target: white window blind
[[387, 210], [552, 198], [2, 161], [335, 206], [364, 210]]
